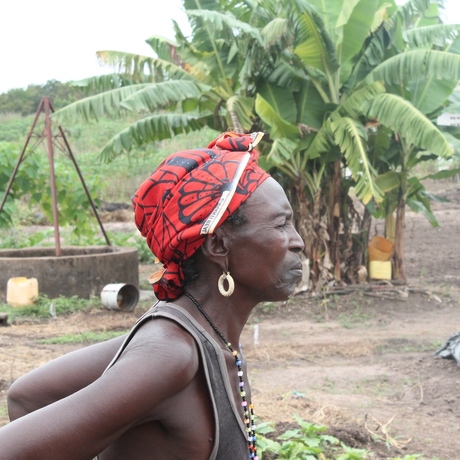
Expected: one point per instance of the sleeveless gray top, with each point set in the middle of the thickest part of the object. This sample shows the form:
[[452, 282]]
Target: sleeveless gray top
[[230, 433]]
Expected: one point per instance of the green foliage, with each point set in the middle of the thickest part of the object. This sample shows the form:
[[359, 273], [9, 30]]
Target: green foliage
[[309, 442], [84, 337], [41, 309], [26, 101], [31, 185], [29, 201], [14, 128], [132, 240], [348, 91], [30, 177], [12, 239]]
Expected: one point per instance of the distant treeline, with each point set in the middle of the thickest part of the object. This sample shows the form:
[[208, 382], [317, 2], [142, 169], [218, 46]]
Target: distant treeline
[[26, 101]]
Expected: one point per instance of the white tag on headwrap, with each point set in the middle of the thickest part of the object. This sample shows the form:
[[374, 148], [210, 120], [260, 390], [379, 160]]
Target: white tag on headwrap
[[215, 216]]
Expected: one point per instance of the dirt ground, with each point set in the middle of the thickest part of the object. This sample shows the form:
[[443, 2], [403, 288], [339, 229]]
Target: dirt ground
[[361, 363]]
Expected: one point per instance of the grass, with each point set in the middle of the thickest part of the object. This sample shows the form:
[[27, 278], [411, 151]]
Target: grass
[[401, 345], [355, 318], [84, 337], [3, 411], [375, 386], [44, 307]]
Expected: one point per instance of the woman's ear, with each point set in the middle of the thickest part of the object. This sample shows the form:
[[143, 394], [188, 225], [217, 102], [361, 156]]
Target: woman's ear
[[216, 247]]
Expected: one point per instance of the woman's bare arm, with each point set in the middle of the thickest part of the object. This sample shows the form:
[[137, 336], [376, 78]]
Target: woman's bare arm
[[60, 378], [155, 366]]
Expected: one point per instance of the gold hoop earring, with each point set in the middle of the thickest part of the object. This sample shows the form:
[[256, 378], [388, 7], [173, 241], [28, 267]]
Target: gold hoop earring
[[231, 284]]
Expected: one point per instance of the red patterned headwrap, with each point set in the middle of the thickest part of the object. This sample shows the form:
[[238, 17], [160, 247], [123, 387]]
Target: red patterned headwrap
[[190, 194]]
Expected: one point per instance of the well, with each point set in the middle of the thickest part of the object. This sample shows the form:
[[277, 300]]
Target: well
[[80, 271]]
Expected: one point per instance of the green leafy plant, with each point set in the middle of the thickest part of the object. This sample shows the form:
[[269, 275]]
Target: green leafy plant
[[44, 307], [309, 442], [11, 239], [31, 184], [133, 240]]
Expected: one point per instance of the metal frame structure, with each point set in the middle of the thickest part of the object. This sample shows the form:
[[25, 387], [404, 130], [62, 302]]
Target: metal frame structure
[[51, 141]]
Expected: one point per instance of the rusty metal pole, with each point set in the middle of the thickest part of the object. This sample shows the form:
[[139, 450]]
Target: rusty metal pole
[[21, 156], [77, 168], [50, 152]]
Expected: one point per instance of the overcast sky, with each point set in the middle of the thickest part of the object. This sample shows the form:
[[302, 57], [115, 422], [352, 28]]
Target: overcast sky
[[43, 40]]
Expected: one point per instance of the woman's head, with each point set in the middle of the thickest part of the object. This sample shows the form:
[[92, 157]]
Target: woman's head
[[188, 196], [263, 253]]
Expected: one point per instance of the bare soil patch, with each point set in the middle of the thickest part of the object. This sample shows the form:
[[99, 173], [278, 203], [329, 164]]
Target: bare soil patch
[[362, 364]]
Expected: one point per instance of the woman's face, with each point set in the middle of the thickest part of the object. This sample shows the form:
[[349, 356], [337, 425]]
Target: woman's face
[[264, 257]]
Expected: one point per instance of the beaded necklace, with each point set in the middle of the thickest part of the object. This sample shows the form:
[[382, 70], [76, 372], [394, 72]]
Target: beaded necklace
[[248, 409]]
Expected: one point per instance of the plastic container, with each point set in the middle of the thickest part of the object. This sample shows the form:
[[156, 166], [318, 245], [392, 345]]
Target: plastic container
[[21, 291], [380, 270], [123, 297], [380, 249]]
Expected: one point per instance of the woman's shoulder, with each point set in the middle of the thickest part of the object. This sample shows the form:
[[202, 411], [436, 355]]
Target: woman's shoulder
[[161, 340]]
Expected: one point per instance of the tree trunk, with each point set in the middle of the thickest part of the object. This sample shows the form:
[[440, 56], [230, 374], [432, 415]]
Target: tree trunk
[[308, 224], [398, 255], [302, 220], [334, 218]]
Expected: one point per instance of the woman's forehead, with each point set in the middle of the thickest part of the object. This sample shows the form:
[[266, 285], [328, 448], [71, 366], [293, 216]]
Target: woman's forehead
[[269, 198]]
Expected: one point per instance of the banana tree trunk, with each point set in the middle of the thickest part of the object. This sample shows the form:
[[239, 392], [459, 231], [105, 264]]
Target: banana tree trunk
[[398, 254], [302, 216], [308, 224], [334, 218]]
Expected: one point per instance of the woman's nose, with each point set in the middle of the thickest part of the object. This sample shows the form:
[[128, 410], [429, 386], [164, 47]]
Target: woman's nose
[[297, 243]]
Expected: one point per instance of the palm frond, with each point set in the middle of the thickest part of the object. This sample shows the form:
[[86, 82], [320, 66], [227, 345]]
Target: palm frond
[[162, 94], [281, 99], [323, 141], [353, 105], [453, 141], [426, 37], [358, 21], [413, 64], [350, 137], [105, 82], [225, 21], [327, 11], [409, 12], [241, 111], [313, 44], [286, 74], [164, 48], [281, 154], [149, 129], [280, 128], [371, 56], [138, 66], [95, 107], [275, 32], [443, 174], [388, 181], [403, 118]]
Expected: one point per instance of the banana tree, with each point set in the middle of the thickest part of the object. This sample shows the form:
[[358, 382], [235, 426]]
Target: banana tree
[[357, 94], [186, 85], [423, 71], [312, 74]]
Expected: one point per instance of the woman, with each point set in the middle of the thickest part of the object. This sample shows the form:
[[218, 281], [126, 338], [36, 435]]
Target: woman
[[178, 387]]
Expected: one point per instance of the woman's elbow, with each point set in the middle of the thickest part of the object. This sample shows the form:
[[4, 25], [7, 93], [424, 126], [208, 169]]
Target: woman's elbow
[[18, 403]]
